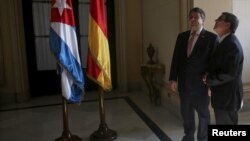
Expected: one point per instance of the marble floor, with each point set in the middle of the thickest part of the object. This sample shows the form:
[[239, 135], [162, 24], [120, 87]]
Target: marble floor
[[131, 115]]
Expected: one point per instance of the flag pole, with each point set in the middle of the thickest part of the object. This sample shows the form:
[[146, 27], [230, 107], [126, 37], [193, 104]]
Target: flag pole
[[66, 135], [103, 133]]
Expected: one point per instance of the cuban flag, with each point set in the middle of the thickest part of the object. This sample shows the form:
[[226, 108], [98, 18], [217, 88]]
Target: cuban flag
[[64, 46]]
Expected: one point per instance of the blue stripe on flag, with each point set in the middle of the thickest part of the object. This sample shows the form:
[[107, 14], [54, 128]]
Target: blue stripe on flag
[[66, 58], [76, 93]]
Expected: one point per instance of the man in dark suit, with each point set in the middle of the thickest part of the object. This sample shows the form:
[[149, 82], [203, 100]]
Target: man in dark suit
[[225, 70], [189, 65]]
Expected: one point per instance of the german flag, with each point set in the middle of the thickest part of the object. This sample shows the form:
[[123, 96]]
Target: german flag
[[98, 61]]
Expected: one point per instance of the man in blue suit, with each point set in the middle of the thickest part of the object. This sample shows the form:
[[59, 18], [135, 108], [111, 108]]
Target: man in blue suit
[[190, 60], [225, 71]]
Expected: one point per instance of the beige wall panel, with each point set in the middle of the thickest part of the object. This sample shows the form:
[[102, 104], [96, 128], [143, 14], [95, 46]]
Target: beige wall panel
[[161, 25], [213, 8]]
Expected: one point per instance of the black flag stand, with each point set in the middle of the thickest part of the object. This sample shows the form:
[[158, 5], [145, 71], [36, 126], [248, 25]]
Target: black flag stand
[[103, 133], [66, 135]]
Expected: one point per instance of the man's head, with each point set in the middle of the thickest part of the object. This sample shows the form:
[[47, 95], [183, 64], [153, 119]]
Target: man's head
[[196, 18], [225, 23]]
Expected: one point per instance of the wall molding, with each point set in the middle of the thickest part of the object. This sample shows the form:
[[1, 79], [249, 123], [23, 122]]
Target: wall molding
[[121, 51], [2, 74]]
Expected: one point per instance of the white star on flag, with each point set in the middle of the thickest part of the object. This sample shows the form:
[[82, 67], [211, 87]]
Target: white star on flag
[[61, 5]]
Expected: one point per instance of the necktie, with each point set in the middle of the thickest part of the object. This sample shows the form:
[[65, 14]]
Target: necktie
[[190, 43]]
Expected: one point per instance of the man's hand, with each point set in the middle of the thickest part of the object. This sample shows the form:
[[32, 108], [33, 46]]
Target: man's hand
[[173, 86], [209, 92], [204, 79]]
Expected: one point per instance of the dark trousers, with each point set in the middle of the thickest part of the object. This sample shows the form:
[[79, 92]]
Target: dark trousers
[[226, 117], [189, 105]]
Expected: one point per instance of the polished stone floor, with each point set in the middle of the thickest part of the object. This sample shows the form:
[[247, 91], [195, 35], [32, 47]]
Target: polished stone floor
[[131, 115]]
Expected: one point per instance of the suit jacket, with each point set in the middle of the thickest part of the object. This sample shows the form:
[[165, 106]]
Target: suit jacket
[[189, 71], [225, 71]]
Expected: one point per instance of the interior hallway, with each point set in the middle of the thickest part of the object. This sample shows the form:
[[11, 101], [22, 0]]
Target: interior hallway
[[131, 115]]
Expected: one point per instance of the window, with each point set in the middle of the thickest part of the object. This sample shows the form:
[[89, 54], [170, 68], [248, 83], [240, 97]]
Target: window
[[41, 22]]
